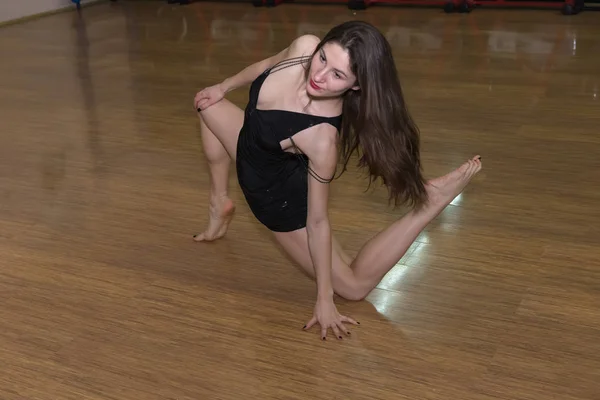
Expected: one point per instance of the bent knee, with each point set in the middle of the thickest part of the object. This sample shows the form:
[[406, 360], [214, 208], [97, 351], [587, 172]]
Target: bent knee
[[358, 296], [354, 291]]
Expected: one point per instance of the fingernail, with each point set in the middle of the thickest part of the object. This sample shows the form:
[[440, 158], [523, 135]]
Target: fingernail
[[349, 333], [340, 337], [304, 327], [324, 338], [358, 322], [199, 109]]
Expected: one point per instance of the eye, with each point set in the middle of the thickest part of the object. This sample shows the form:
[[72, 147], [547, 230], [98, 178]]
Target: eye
[[338, 76], [322, 57]]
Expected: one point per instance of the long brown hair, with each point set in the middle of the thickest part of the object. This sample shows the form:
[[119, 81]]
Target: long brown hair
[[376, 122]]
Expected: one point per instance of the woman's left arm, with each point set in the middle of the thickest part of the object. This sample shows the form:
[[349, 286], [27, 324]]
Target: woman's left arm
[[322, 164], [322, 154]]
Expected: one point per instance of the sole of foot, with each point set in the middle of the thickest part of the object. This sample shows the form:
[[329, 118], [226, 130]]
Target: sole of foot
[[447, 187]]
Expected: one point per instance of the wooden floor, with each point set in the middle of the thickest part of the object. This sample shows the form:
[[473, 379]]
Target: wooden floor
[[103, 183]]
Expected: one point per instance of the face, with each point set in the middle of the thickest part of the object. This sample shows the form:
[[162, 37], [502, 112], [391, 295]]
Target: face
[[330, 73]]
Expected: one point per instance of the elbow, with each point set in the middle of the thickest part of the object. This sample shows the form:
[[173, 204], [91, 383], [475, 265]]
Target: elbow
[[319, 233], [317, 225]]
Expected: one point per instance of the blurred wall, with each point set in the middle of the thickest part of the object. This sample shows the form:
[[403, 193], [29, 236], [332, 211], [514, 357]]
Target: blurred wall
[[14, 9]]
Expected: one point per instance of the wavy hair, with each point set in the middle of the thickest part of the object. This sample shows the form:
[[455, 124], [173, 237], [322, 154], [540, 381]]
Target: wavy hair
[[376, 122]]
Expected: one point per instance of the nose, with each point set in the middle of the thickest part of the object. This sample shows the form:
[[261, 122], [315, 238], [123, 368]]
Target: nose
[[320, 75]]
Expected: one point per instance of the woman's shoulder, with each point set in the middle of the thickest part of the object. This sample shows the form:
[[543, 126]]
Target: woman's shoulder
[[304, 45]]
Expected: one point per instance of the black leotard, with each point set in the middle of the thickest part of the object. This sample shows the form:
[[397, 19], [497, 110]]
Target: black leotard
[[274, 182]]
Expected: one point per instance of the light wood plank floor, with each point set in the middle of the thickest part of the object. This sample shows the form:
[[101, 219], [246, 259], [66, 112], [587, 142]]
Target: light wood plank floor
[[103, 183]]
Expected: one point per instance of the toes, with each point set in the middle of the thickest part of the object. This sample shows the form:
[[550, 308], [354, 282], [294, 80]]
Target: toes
[[203, 237], [478, 163], [476, 167], [199, 237]]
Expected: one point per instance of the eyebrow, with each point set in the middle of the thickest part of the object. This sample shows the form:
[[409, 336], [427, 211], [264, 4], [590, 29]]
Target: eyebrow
[[325, 56]]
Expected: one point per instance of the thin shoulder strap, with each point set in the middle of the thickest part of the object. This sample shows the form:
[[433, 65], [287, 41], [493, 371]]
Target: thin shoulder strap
[[309, 169], [290, 62]]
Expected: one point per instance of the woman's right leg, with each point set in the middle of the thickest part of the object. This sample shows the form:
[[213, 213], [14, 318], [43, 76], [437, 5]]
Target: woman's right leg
[[355, 279], [220, 125]]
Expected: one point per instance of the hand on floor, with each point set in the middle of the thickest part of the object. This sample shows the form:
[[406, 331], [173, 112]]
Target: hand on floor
[[327, 315]]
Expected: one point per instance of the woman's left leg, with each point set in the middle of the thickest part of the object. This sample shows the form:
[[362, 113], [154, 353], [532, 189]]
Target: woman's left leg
[[344, 282]]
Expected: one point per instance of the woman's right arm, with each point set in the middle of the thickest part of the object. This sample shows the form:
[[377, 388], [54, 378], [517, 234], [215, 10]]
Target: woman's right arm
[[303, 45]]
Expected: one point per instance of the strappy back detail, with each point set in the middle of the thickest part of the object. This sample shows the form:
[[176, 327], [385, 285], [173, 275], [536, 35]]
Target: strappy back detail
[[304, 161]]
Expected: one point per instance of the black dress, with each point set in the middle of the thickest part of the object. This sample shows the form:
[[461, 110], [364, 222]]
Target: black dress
[[274, 182]]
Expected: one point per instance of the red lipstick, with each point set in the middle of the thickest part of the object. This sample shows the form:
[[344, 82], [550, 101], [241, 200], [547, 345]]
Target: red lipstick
[[314, 85]]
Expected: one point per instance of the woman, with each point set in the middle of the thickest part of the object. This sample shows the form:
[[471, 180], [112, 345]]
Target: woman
[[286, 144]]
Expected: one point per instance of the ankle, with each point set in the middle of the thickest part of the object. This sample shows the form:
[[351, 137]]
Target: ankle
[[218, 199]]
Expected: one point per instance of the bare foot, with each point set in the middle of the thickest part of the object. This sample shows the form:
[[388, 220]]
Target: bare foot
[[220, 213], [445, 188]]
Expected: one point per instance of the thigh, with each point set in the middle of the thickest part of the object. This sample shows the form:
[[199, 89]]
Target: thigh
[[296, 246], [224, 120]]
